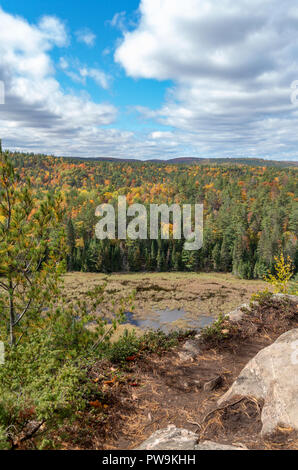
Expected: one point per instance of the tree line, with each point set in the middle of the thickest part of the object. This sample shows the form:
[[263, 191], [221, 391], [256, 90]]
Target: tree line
[[250, 212]]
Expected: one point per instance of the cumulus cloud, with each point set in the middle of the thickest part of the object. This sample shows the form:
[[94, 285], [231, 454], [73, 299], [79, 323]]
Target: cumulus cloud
[[86, 36], [232, 64]]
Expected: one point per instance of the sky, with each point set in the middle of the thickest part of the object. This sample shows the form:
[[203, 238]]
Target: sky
[[150, 79]]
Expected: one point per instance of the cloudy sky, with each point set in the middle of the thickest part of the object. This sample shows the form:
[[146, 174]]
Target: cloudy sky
[[150, 78]]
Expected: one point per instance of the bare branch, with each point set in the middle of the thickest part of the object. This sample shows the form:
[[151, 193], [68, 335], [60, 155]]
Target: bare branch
[[23, 313]]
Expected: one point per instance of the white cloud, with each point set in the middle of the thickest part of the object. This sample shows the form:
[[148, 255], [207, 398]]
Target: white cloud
[[100, 77], [162, 135], [232, 64], [79, 73], [63, 63], [37, 113], [86, 36], [52, 28], [119, 21], [124, 20]]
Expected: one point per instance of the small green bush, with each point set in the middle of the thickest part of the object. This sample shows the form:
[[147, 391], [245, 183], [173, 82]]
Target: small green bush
[[126, 346], [216, 330], [261, 297], [159, 341], [38, 383]]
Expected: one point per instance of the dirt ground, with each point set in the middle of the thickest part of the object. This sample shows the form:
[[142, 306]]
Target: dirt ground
[[155, 391], [199, 295]]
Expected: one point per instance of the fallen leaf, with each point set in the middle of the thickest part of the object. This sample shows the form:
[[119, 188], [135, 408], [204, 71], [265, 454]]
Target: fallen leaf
[[131, 358], [95, 404], [110, 382]]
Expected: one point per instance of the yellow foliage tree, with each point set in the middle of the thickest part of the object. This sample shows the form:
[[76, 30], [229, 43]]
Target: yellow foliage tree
[[283, 273]]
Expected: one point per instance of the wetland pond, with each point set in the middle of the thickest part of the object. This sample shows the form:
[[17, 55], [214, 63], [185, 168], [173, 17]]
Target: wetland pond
[[164, 301], [168, 319]]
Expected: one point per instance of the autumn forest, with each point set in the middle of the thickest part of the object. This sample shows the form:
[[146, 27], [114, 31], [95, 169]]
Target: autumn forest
[[250, 212]]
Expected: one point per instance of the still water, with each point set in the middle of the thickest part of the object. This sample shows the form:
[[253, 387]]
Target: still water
[[167, 320]]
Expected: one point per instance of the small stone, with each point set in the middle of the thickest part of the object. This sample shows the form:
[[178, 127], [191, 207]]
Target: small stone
[[171, 438], [185, 356], [190, 350], [192, 346], [238, 313]]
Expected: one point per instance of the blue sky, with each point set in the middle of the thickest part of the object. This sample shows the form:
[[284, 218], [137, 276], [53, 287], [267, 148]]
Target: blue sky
[[149, 78]]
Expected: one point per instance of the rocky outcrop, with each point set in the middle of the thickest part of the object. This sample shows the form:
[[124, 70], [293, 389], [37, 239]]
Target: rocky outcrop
[[173, 438], [239, 312], [291, 298], [272, 375]]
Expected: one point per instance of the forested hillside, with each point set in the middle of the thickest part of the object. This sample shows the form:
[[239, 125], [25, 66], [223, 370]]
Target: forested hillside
[[250, 212]]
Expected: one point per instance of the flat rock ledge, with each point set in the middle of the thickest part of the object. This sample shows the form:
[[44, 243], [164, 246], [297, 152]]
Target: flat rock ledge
[[172, 438], [272, 375]]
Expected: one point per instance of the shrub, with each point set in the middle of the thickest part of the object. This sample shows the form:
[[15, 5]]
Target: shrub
[[216, 331], [283, 273], [39, 384], [293, 287], [126, 346], [159, 341]]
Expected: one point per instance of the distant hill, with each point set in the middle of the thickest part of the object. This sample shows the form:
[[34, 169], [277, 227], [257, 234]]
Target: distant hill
[[177, 161], [198, 160]]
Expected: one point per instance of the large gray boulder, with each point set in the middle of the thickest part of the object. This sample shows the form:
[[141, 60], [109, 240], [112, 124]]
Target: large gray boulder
[[173, 438], [272, 375]]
